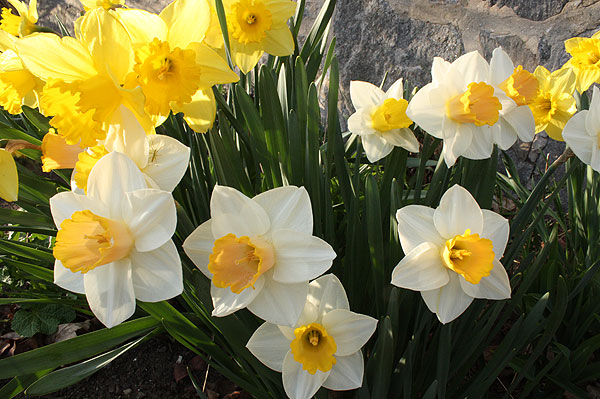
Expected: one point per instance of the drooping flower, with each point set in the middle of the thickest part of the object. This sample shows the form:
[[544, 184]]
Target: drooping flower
[[9, 178], [255, 27], [114, 244], [452, 253], [23, 24], [85, 77], [554, 104], [322, 348], [380, 119], [582, 133], [463, 107], [585, 61], [173, 68], [57, 154], [259, 253]]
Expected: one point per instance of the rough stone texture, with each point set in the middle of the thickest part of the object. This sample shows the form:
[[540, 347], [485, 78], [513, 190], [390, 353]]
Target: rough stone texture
[[401, 37]]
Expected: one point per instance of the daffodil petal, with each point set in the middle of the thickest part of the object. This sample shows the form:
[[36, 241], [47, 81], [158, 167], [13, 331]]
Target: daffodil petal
[[415, 226], [350, 330], [126, 135], [457, 212], [457, 139], [199, 245], [327, 293], [299, 383], [481, 145], [495, 228], [522, 121], [396, 90], [439, 69], [288, 208], [577, 137], [151, 217], [422, 269], [214, 68], [142, 26], [269, 345], [109, 292], [360, 122], [246, 56], [62, 206], [157, 274], [347, 373], [300, 256], [404, 138], [449, 301], [168, 161], [9, 177], [376, 147], [427, 108], [496, 286], [68, 280], [472, 66], [228, 200], [279, 42], [225, 302], [111, 177], [501, 66], [200, 112], [180, 15], [592, 119], [365, 94], [279, 303]]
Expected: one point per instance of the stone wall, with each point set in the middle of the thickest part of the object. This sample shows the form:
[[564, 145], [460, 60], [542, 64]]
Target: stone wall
[[401, 37]]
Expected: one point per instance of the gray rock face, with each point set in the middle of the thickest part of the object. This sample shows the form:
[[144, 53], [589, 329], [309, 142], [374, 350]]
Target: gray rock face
[[401, 37]]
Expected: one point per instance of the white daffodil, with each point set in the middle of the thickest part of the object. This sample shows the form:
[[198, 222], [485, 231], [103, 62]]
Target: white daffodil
[[452, 253], [114, 244], [259, 252], [380, 119], [582, 133], [462, 107], [323, 348], [162, 159]]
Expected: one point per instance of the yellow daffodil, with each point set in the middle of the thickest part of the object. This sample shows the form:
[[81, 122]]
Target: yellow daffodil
[[466, 107], [57, 154], [380, 119], [259, 253], [25, 23], [106, 4], [554, 104], [585, 61], [173, 68], [9, 178], [114, 244], [452, 253], [85, 77], [254, 27], [323, 346], [18, 86], [582, 133]]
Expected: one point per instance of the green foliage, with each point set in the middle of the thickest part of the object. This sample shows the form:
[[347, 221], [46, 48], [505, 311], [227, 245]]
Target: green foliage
[[45, 319]]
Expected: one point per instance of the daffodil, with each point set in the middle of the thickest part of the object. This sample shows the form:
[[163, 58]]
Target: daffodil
[[554, 104], [452, 253], [23, 24], [380, 119], [463, 107], [162, 159], [173, 68], [582, 133], [18, 86], [9, 178], [114, 244], [57, 154], [585, 61], [322, 348], [85, 77], [259, 253], [254, 27]]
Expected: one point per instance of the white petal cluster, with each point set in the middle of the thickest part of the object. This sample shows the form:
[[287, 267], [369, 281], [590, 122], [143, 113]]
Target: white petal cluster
[[281, 219], [151, 272], [327, 305], [582, 133], [423, 233], [366, 98]]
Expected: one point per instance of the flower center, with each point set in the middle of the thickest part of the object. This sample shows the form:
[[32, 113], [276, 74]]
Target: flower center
[[314, 348], [469, 255], [248, 21], [522, 86], [476, 105], [166, 75], [587, 54], [87, 240], [238, 262], [390, 115], [86, 161], [543, 108]]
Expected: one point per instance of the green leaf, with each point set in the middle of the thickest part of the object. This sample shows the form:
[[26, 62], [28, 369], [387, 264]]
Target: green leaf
[[379, 367], [18, 384], [44, 319]]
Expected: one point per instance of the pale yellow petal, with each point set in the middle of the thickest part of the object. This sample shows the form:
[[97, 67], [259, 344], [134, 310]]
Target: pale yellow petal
[[48, 56], [562, 81], [57, 154], [200, 113], [214, 35], [7, 41], [214, 68], [108, 42], [246, 56], [543, 76], [142, 26], [280, 11], [19, 6], [279, 42], [9, 178], [33, 14], [187, 20]]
